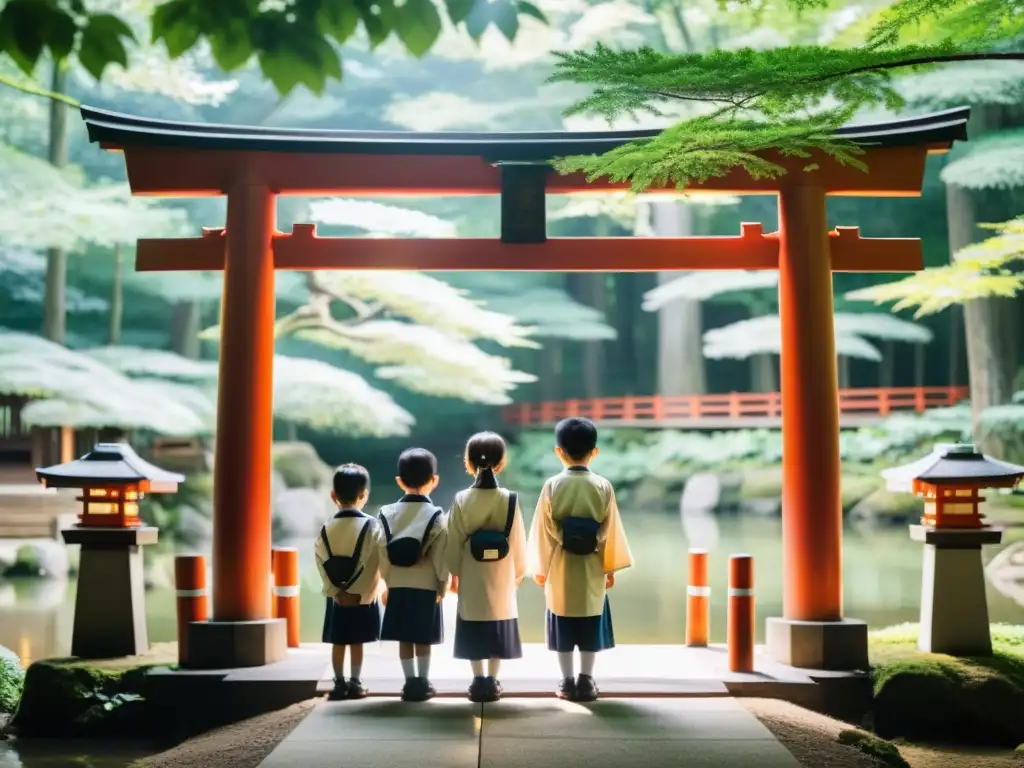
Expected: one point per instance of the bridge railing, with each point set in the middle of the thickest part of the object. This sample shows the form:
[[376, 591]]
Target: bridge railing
[[736, 405]]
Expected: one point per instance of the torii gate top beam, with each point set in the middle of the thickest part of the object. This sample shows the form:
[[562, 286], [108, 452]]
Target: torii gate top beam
[[163, 158]]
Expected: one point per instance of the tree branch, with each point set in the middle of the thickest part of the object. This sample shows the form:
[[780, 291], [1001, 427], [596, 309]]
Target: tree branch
[[37, 90]]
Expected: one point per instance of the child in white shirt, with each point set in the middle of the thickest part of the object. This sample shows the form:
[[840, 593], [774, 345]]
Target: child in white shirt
[[577, 544], [487, 558], [347, 552]]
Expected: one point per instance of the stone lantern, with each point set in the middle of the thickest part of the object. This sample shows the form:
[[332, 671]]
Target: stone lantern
[[110, 608], [954, 609]]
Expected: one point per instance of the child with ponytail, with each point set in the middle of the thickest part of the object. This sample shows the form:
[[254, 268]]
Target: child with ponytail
[[486, 555]]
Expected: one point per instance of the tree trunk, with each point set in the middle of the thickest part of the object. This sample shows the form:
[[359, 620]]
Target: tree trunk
[[54, 299], [956, 337], [594, 293], [844, 371], [185, 329], [885, 369], [550, 378], [919, 353], [116, 298], [762, 373], [625, 326], [680, 334]]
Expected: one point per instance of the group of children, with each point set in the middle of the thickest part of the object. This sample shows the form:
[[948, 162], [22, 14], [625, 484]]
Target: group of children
[[413, 553]]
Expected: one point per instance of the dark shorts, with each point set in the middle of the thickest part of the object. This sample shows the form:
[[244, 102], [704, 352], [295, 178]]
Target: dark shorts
[[413, 616], [351, 624], [588, 633], [479, 640]]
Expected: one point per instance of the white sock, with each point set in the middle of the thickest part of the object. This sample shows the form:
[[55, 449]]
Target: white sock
[[356, 670], [565, 662], [478, 667], [587, 663], [423, 665], [409, 668], [493, 667]]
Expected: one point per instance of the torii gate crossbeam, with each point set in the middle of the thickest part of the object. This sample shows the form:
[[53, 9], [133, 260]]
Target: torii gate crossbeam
[[254, 165]]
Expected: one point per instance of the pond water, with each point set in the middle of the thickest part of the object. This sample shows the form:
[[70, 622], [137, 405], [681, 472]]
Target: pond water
[[882, 570]]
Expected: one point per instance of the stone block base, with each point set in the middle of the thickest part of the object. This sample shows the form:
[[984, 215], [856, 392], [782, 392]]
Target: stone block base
[[232, 644], [832, 645]]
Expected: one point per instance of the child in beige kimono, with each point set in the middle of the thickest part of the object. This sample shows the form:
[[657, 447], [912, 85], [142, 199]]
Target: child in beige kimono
[[577, 544], [487, 558]]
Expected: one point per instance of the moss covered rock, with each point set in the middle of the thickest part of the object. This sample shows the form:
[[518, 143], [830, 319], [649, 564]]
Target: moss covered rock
[[12, 680], [928, 696], [880, 749], [300, 466], [885, 507], [69, 698]]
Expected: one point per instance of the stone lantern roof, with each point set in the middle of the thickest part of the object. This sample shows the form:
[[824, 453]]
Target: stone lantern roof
[[952, 464], [109, 463]]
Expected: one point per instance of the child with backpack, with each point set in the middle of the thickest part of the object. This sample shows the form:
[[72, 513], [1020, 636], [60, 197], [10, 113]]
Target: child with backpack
[[413, 566], [577, 544], [351, 582], [487, 558]]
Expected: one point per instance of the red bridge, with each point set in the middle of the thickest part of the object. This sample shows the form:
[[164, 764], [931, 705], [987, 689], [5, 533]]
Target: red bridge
[[738, 410]]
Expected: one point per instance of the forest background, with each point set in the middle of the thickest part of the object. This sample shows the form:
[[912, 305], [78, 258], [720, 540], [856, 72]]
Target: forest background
[[369, 363]]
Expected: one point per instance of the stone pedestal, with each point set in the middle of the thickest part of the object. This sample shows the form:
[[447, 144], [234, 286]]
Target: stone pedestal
[[832, 645], [232, 644], [954, 609], [110, 605]]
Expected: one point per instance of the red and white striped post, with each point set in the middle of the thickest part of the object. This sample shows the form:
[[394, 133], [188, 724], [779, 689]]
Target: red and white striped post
[[286, 590], [740, 632], [192, 597], [698, 600]]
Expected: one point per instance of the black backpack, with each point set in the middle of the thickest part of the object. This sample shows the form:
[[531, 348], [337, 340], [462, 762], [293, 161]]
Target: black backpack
[[343, 570], [405, 551], [579, 535], [492, 546]]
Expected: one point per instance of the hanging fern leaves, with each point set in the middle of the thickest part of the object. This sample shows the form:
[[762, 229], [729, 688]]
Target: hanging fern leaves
[[376, 217], [882, 326], [994, 161], [990, 82], [763, 335], [979, 271], [978, 23], [704, 285]]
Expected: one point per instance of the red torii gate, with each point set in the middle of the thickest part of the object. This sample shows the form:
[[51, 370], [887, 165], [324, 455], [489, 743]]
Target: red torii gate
[[254, 165]]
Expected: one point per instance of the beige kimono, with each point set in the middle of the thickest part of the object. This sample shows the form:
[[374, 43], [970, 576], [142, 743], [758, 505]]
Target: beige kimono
[[575, 585], [342, 533], [487, 591], [410, 517]]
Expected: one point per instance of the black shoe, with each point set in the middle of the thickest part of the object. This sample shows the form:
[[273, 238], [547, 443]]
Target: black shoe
[[417, 689], [494, 689], [586, 689], [481, 691], [356, 689], [498, 687], [339, 692], [567, 689]]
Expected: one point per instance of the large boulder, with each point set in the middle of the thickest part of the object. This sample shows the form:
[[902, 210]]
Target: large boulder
[[884, 507], [12, 680], [42, 559], [300, 466]]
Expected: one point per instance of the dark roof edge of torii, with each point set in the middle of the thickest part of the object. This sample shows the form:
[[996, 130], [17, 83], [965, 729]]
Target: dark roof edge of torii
[[935, 130]]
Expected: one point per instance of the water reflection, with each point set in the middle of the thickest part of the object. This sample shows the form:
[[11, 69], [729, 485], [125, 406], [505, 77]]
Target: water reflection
[[882, 570], [41, 753]]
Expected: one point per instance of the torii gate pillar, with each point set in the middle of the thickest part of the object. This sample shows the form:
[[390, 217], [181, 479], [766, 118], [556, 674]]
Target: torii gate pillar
[[812, 632]]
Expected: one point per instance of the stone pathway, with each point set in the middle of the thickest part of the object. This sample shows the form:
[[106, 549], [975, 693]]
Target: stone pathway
[[611, 733]]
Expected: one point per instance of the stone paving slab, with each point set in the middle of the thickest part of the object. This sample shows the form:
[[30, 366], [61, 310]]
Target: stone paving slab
[[606, 734]]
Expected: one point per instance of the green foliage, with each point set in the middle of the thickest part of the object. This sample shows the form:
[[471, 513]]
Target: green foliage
[[709, 284], [880, 749], [993, 161], [981, 270], [12, 680], [933, 697], [989, 82], [979, 23]]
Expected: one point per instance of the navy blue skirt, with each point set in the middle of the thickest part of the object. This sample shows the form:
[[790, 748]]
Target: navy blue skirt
[[479, 640], [413, 616], [588, 633], [351, 624]]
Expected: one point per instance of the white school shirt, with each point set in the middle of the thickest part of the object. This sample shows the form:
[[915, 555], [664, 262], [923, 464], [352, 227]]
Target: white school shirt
[[487, 591], [409, 517], [575, 583], [342, 533]]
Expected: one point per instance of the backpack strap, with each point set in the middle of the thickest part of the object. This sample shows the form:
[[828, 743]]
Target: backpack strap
[[384, 525], [510, 518], [327, 543], [359, 540], [430, 526]]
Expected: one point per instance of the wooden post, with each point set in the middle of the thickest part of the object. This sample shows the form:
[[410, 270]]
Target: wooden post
[[241, 470], [698, 600], [193, 601], [286, 591], [740, 630], [812, 519]]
